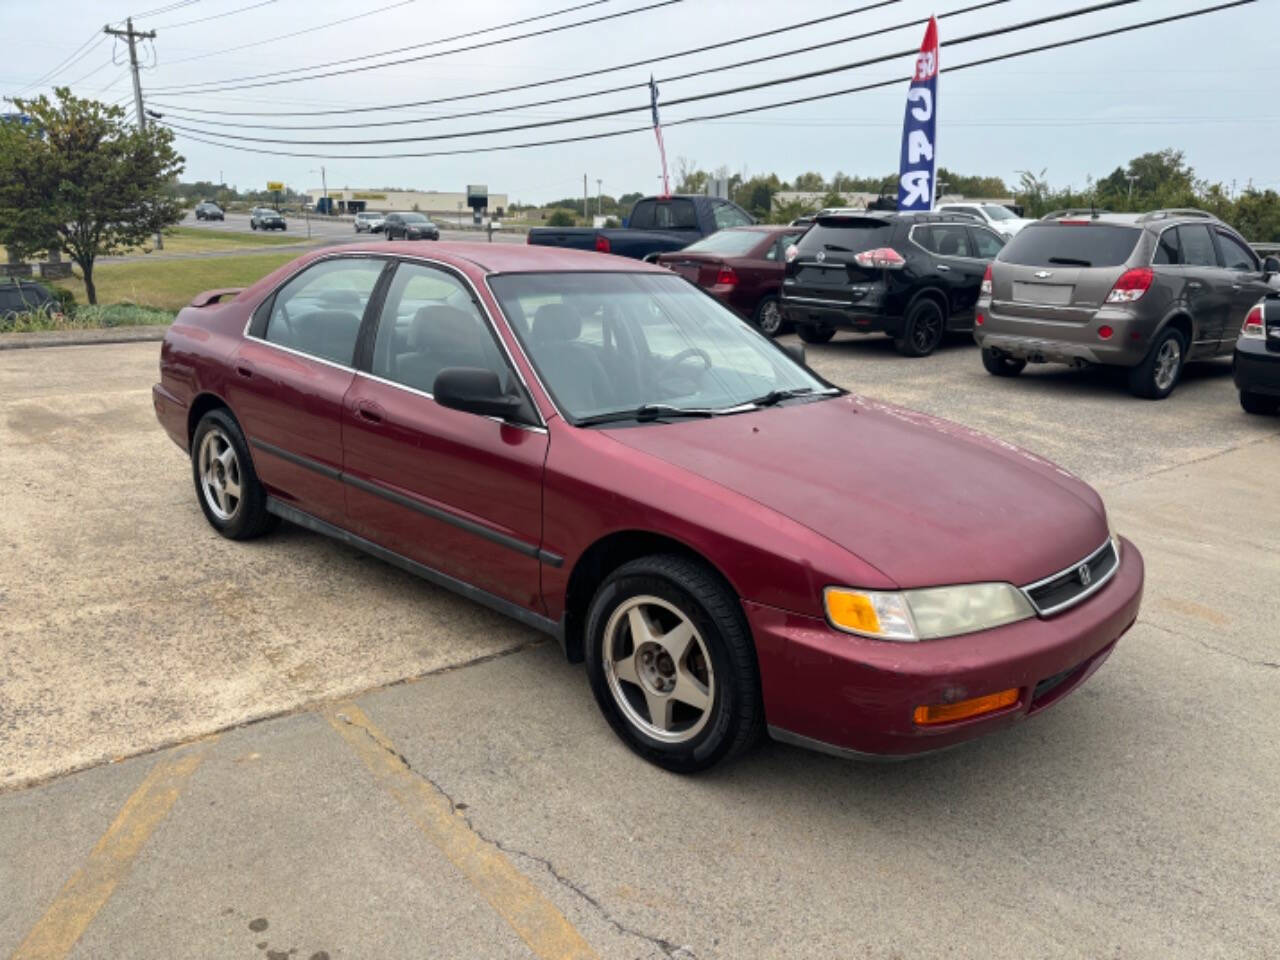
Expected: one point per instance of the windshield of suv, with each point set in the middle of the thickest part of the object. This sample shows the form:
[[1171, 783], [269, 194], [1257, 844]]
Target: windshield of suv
[[606, 343], [997, 212], [839, 235], [1081, 245], [730, 243]]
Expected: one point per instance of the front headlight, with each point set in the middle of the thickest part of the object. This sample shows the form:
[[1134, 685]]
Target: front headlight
[[925, 614]]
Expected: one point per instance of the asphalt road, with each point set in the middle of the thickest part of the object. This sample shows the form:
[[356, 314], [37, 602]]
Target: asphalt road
[[332, 231], [486, 810]]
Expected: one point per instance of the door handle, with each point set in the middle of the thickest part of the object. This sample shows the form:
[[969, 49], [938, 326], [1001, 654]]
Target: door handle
[[367, 410], [943, 268], [1235, 287], [245, 370], [1194, 284]]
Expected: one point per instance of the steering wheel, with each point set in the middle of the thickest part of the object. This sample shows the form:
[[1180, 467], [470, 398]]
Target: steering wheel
[[670, 366]]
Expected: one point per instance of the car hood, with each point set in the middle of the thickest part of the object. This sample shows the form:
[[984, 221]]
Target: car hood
[[925, 501]]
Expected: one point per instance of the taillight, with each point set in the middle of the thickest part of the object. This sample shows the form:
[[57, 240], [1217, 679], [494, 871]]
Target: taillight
[[602, 243], [791, 252], [1254, 328], [726, 277], [883, 258], [985, 289], [1131, 285]]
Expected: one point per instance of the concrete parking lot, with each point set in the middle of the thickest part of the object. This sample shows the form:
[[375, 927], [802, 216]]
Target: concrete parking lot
[[484, 809]]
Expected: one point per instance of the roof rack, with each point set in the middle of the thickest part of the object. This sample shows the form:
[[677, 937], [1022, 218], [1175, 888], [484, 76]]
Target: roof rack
[[1075, 212], [1172, 212]]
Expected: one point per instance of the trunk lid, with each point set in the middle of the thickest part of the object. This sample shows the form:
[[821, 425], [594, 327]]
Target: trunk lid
[[1061, 270], [825, 268]]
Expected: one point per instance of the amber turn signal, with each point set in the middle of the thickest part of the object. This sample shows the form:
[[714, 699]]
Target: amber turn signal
[[964, 709]]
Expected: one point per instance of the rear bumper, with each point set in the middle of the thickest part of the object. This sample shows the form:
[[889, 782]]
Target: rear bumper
[[863, 318], [1072, 343], [172, 414], [850, 695], [1255, 368]]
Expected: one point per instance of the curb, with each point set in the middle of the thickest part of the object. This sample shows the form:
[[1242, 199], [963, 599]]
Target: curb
[[81, 338]]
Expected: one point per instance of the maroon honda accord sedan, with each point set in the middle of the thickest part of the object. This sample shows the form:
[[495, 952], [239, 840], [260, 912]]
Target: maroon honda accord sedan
[[602, 451], [742, 267]]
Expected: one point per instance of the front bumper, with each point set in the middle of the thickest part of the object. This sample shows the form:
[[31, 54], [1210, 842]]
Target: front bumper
[[847, 694], [1051, 341], [1255, 368]]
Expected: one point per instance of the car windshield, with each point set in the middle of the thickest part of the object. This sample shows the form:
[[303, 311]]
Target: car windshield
[[730, 243], [413, 218], [1078, 244], [997, 212], [614, 343]]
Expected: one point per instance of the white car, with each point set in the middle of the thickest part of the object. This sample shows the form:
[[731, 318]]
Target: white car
[[999, 218], [369, 222]]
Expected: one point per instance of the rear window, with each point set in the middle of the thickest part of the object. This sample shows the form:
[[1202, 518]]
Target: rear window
[[846, 236], [731, 243], [1083, 245], [663, 215]]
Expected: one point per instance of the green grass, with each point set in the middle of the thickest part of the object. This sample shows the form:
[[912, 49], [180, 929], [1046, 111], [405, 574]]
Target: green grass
[[170, 284], [201, 240], [87, 318]]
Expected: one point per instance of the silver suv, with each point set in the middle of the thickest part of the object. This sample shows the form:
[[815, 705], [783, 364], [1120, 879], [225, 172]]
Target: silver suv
[[1144, 291]]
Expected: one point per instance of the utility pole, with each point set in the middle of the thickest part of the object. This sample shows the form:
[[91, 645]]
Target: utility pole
[[586, 212], [1131, 177], [599, 198], [132, 36]]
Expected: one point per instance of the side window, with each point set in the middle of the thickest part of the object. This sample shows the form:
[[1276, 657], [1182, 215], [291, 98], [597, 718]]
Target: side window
[[1168, 251], [986, 242], [1235, 255], [642, 215], [945, 239], [429, 322], [779, 250], [1197, 246], [319, 311], [727, 215]]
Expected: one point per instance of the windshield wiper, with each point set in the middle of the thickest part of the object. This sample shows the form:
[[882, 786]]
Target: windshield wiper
[[645, 413], [836, 248], [1071, 261], [777, 396]]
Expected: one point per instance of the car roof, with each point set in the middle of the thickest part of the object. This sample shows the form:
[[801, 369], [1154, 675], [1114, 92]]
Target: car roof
[[506, 257]]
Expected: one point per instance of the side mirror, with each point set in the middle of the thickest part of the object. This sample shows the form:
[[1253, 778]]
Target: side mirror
[[795, 351], [1271, 266], [474, 390]]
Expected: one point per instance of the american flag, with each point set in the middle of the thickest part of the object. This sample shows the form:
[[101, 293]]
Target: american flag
[[657, 132]]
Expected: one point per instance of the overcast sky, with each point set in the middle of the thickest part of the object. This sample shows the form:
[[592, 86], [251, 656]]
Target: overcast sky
[[1202, 86]]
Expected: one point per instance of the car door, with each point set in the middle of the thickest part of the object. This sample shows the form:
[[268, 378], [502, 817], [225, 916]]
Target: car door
[[955, 268], [291, 373], [457, 492], [1207, 287], [1247, 284]]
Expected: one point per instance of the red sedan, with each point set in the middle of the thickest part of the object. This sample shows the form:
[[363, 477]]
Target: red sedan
[[741, 267], [597, 449]]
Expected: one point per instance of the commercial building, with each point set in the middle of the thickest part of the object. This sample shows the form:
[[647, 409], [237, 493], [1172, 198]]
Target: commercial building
[[436, 203]]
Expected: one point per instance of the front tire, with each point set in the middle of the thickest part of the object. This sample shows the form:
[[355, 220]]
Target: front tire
[[672, 664], [1156, 376], [816, 332], [233, 500], [253, 225], [1000, 364], [1259, 403], [922, 329], [768, 317]]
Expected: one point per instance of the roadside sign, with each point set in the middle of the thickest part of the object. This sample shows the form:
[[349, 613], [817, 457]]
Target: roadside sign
[[275, 186]]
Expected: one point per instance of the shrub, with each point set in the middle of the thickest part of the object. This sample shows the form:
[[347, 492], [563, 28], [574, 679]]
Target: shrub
[[561, 218]]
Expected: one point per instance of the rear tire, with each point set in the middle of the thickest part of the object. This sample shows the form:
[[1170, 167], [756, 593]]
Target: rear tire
[[1259, 403], [922, 329], [816, 332], [768, 317], [1156, 376], [1001, 365], [230, 494], [674, 602]]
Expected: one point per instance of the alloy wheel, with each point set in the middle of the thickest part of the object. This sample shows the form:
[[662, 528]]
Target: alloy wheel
[[770, 318], [926, 332], [1168, 360], [658, 669], [221, 482]]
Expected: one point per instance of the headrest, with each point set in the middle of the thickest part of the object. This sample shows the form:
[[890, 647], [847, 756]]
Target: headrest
[[556, 323], [436, 325]]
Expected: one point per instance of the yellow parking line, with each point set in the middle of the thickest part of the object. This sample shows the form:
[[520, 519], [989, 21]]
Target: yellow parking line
[[91, 886], [534, 918]]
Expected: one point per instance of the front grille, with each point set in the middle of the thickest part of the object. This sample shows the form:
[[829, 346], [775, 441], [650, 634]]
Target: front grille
[[1070, 586]]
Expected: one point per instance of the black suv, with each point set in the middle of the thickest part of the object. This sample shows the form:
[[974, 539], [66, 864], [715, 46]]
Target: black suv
[[914, 276], [208, 210], [17, 297]]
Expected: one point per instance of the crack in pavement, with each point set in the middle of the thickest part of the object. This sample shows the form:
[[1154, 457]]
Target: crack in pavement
[[1209, 646], [669, 949], [1108, 487]]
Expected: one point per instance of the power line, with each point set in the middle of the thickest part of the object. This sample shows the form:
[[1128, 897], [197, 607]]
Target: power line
[[77, 55], [165, 9], [985, 61], [214, 16], [743, 88], [511, 108], [193, 88]]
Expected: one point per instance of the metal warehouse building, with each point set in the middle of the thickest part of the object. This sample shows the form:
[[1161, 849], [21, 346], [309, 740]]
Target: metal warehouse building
[[431, 202]]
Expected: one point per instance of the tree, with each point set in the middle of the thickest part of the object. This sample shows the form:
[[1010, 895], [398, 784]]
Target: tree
[[689, 179], [811, 182], [81, 178], [561, 217], [833, 199]]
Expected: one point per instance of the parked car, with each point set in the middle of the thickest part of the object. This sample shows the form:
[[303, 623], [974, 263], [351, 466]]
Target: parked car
[[595, 448], [995, 215], [656, 225], [369, 222], [208, 210], [264, 218], [409, 226], [19, 296], [914, 276], [1255, 365], [1144, 291], [742, 268]]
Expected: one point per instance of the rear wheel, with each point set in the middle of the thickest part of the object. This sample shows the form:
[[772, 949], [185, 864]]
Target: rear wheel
[[816, 332], [672, 664], [1259, 403], [1001, 364], [922, 329], [233, 500], [1156, 376], [768, 317]]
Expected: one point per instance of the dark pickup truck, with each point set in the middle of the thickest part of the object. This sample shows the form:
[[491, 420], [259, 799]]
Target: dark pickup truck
[[656, 225]]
